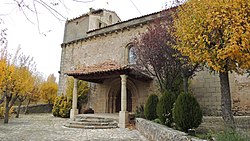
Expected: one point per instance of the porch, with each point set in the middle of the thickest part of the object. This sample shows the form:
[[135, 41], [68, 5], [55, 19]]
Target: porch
[[120, 96]]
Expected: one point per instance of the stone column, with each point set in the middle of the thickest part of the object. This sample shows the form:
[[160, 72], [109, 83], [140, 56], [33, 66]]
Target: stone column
[[74, 110], [123, 114]]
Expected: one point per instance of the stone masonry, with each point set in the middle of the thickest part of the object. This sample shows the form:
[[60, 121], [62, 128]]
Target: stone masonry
[[100, 36]]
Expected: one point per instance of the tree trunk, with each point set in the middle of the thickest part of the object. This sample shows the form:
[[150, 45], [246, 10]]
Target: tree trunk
[[18, 109], [26, 108], [185, 83], [226, 106], [7, 109]]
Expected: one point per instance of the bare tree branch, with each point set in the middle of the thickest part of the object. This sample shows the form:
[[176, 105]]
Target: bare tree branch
[[84, 1]]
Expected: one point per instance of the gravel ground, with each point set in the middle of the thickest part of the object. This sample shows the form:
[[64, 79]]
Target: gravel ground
[[45, 127]]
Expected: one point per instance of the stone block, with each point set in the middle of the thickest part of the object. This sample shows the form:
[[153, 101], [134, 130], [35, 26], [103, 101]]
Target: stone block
[[157, 132], [73, 113], [123, 119]]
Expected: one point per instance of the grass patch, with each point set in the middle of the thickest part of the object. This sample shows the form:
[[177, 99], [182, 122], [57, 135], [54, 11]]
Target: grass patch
[[230, 135]]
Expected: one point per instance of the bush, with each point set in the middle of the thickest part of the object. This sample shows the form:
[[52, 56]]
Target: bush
[[164, 108], [139, 112], [187, 113], [62, 106], [82, 90], [56, 106], [150, 107]]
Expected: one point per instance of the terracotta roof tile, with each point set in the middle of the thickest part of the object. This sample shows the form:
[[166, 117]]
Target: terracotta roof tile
[[98, 68]]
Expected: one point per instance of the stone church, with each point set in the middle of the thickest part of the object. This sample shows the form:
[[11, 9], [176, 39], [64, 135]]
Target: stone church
[[97, 48]]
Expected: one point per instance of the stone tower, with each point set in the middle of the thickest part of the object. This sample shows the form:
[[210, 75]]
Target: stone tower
[[78, 28]]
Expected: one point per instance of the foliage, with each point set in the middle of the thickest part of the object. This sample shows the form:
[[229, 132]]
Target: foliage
[[150, 107], [164, 108], [187, 113], [16, 78], [82, 90], [139, 112], [230, 135], [157, 120], [56, 108], [216, 34], [65, 108], [2, 111], [49, 89], [34, 95], [62, 106], [157, 56]]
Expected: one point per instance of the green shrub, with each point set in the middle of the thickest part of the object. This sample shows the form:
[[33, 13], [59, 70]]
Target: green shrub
[[230, 135], [150, 107], [56, 106], [65, 109], [187, 113], [62, 106], [82, 92], [139, 112], [164, 108]]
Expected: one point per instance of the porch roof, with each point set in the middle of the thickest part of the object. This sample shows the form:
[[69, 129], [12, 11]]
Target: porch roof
[[99, 72]]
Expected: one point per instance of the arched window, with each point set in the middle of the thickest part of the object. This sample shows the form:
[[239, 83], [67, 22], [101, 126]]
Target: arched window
[[132, 55]]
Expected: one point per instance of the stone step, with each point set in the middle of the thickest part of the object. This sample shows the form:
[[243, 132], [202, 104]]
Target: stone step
[[92, 123], [94, 120], [90, 127]]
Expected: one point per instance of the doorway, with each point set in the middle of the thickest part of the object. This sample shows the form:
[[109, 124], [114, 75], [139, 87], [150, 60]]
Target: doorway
[[118, 101]]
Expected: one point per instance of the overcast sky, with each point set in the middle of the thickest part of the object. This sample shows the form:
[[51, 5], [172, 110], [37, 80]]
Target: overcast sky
[[44, 43]]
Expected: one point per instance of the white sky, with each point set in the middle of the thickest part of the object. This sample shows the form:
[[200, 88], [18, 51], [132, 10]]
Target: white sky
[[46, 50]]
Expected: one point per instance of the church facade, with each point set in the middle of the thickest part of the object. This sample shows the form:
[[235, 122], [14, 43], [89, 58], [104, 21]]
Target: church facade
[[97, 49]]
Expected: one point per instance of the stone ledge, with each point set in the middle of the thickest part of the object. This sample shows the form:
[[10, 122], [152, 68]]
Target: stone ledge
[[157, 132]]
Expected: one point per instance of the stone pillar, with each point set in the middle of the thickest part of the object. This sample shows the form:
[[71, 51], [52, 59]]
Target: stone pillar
[[74, 110], [123, 114]]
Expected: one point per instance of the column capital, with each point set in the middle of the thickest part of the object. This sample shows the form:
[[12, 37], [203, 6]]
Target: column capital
[[123, 76]]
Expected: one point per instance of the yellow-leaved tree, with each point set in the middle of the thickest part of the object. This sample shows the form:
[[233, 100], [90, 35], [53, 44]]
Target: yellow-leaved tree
[[49, 89], [34, 94], [216, 33], [25, 86], [15, 78]]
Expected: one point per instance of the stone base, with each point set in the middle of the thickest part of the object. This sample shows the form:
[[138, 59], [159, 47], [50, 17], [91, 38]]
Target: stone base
[[123, 119], [73, 113]]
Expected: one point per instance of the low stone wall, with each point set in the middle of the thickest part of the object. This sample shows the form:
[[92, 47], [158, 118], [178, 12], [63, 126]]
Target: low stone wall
[[41, 108], [157, 132]]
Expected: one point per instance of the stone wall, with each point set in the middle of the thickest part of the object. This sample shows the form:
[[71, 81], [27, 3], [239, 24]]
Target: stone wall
[[206, 88], [41, 108], [157, 132], [241, 95]]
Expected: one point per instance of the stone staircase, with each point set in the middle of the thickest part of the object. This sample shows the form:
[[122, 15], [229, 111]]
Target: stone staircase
[[91, 122]]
